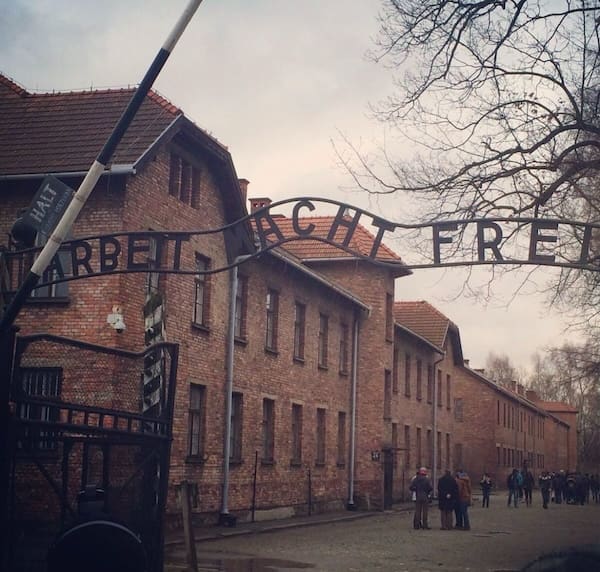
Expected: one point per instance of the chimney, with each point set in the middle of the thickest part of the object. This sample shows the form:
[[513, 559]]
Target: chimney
[[480, 370], [466, 362], [532, 395], [244, 189], [259, 203], [513, 386], [520, 389]]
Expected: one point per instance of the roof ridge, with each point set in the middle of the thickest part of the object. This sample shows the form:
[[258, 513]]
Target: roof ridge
[[13, 85]]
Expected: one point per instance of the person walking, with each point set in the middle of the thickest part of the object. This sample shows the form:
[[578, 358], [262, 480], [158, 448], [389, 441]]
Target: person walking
[[464, 498], [545, 482], [486, 488], [513, 488], [422, 488], [447, 498], [528, 482]]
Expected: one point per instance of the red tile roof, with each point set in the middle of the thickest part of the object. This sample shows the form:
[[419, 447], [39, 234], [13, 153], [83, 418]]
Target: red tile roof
[[64, 132], [309, 249], [557, 407], [424, 320]]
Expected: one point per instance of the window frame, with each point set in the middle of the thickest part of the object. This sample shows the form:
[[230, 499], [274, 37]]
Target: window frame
[[196, 422], [268, 431], [272, 320], [299, 331], [201, 282], [323, 341]]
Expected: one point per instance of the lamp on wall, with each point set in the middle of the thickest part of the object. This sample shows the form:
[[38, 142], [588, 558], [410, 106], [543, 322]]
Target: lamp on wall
[[115, 319]]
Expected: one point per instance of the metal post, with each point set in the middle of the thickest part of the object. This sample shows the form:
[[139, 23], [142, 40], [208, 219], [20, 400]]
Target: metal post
[[254, 484], [188, 528], [7, 352], [309, 493]]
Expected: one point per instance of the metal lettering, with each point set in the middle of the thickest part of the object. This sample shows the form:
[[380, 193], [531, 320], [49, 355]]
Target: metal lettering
[[76, 262], [341, 220], [307, 230], [382, 225], [270, 228], [437, 239], [536, 237], [109, 260], [136, 244], [483, 245]]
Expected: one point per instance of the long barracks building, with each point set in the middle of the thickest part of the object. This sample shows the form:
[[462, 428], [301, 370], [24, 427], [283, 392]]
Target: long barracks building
[[326, 392]]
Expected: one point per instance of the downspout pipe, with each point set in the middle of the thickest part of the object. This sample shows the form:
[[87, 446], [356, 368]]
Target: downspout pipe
[[435, 423], [354, 381], [233, 281]]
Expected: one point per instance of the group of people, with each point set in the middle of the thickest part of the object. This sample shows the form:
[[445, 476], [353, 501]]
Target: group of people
[[454, 496], [454, 493], [557, 487]]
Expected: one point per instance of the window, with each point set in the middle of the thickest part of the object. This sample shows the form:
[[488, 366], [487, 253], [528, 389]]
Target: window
[[341, 439], [184, 181], [40, 382], [235, 443], [196, 416], [387, 394], [448, 391], [344, 344], [419, 379], [323, 340], [395, 369], [272, 304], [201, 292], [419, 450], [241, 304], [389, 317], [498, 457], [299, 330], [429, 383], [504, 414], [268, 431], [439, 449], [407, 446], [296, 434], [498, 412], [407, 366], [448, 463], [458, 455], [439, 388], [458, 408], [321, 436]]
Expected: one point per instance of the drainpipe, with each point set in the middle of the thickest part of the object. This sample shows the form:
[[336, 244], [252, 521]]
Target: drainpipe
[[355, 335], [233, 277], [435, 408]]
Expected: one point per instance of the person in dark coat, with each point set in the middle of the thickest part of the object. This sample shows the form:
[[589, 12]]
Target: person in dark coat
[[545, 482], [422, 488], [528, 482], [486, 488], [447, 498]]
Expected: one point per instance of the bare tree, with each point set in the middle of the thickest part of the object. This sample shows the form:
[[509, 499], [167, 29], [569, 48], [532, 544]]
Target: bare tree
[[500, 369], [572, 374], [502, 98]]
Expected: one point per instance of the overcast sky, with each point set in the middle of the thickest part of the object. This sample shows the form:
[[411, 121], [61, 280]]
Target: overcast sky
[[276, 81]]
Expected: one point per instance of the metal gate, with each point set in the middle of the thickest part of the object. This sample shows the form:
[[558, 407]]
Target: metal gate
[[81, 445]]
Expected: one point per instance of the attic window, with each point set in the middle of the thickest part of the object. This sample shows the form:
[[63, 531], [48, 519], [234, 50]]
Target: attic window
[[184, 181]]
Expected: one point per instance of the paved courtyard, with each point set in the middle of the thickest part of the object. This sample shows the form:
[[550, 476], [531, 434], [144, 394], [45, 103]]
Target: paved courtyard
[[500, 539]]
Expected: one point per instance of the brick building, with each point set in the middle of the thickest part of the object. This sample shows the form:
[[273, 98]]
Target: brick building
[[323, 388], [489, 428]]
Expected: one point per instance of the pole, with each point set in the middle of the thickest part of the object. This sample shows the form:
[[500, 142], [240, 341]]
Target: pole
[[89, 182], [355, 333], [254, 484], [7, 352]]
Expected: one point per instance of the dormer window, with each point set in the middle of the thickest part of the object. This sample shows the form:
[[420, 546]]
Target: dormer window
[[184, 180]]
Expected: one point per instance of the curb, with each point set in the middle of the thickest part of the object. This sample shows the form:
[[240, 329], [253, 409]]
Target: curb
[[274, 526]]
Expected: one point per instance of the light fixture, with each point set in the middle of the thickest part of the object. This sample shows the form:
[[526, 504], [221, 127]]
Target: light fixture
[[115, 319]]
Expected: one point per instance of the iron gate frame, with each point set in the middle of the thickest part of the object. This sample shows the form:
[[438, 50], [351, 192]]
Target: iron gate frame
[[103, 427]]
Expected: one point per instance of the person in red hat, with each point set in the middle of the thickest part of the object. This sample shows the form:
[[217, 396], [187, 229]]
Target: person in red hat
[[421, 486]]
